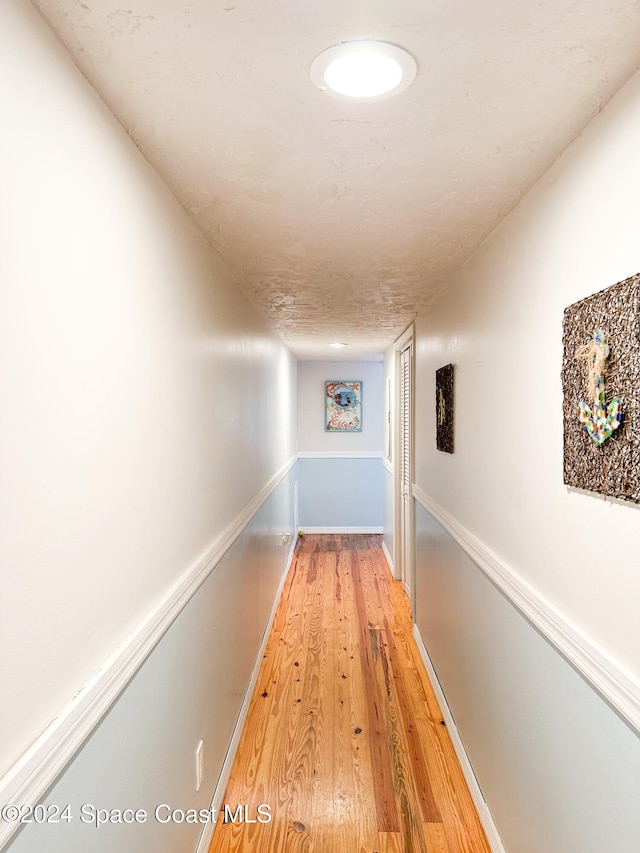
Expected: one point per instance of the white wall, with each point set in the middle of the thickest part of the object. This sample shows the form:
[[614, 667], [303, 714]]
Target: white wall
[[575, 554], [340, 473], [144, 404], [501, 325], [189, 688]]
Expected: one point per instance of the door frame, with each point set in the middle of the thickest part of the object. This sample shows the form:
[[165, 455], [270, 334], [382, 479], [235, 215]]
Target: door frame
[[404, 523]]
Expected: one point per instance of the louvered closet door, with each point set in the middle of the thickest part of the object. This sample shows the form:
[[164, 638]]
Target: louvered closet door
[[406, 465], [405, 419]]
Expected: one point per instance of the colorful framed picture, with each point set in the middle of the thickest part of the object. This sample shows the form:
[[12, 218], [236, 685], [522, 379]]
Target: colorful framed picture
[[342, 405]]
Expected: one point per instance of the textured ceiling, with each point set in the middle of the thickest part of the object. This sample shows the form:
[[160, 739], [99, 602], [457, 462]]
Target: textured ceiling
[[340, 220]]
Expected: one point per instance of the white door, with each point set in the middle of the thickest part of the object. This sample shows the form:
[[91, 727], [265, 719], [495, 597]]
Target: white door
[[406, 468]]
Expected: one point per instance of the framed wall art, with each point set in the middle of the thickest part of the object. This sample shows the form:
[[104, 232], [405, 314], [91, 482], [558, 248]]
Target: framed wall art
[[444, 408], [342, 405], [601, 392]]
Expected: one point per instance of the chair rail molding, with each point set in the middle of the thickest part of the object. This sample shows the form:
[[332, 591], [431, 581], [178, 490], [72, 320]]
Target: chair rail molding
[[41, 764], [613, 681], [339, 454]]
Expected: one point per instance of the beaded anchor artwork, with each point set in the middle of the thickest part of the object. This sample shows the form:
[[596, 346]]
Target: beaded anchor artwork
[[600, 420], [601, 388]]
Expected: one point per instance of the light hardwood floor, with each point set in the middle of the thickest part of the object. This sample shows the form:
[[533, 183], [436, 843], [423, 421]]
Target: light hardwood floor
[[344, 740]]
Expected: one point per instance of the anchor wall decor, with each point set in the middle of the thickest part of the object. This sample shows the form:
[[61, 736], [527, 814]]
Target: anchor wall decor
[[601, 392], [601, 419]]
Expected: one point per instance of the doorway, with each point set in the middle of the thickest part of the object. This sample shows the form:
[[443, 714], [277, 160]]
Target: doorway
[[404, 528]]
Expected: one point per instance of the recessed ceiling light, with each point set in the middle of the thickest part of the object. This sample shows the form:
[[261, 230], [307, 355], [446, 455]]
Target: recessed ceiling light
[[363, 70], [338, 345]]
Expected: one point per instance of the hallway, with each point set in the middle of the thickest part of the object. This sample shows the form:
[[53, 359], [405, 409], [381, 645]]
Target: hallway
[[164, 441], [344, 740]]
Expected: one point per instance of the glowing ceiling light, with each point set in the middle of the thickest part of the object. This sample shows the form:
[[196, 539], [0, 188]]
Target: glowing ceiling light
[[363, 70]]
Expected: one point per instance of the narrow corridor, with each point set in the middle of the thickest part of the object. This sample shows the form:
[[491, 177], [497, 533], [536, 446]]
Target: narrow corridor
[[345, 749]]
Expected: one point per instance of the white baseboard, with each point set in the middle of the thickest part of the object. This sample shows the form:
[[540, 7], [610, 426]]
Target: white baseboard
[[387, 555], [479, 801], [217, 800], [345, 530]]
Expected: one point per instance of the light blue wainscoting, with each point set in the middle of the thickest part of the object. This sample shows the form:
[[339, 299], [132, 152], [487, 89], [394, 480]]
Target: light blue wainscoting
[[191, 687], [558, 767], [341, 493]]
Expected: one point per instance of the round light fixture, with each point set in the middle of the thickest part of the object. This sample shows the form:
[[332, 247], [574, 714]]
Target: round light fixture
[[363, 70], [338, 345]]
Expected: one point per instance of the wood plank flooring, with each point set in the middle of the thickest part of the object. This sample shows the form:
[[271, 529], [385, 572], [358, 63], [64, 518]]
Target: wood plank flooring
[[344, 740]]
